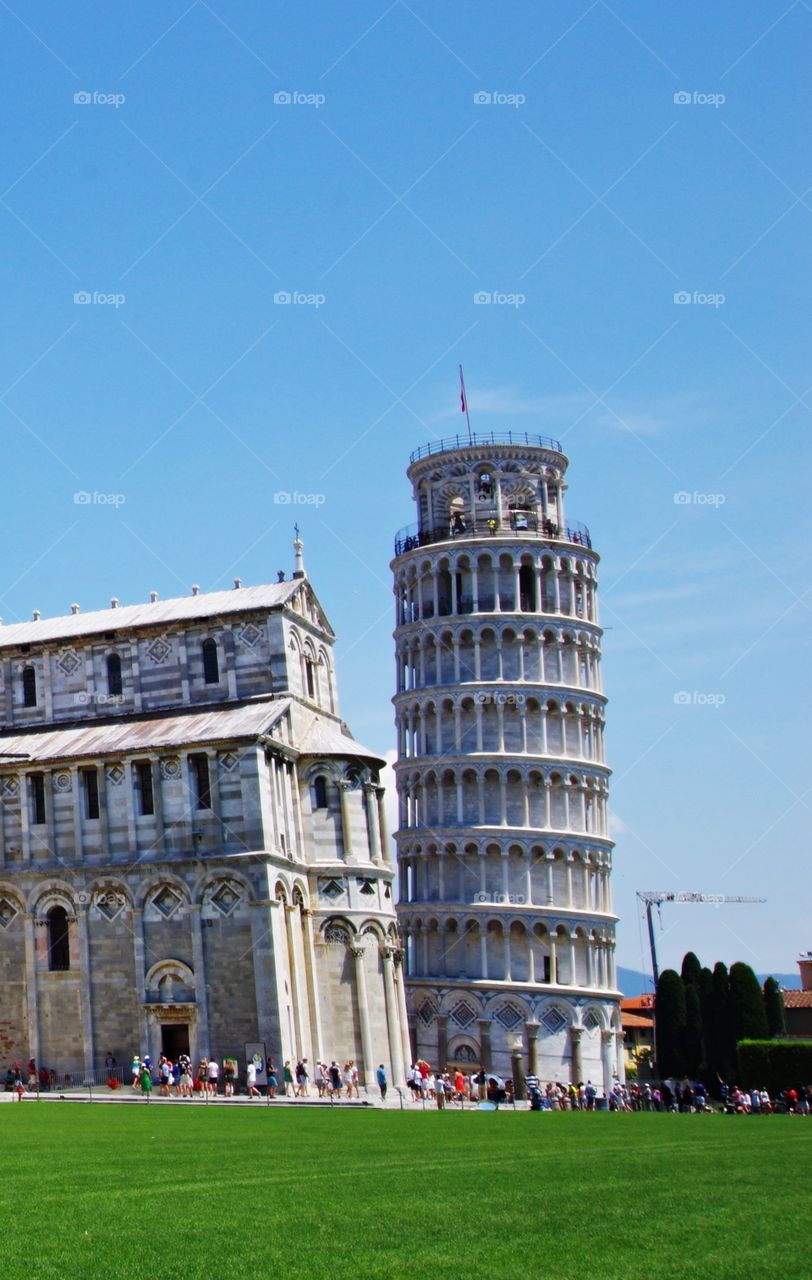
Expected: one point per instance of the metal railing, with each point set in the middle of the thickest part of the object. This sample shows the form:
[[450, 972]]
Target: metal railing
[[64, 1079], [517, 525], [479, 438]]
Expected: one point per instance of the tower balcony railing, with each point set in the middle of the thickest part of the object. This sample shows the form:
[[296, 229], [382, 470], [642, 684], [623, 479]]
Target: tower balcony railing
[[513, 524], [480, 438]]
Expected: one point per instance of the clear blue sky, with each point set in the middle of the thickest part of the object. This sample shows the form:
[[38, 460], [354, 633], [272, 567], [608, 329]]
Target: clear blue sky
[[585, 188]]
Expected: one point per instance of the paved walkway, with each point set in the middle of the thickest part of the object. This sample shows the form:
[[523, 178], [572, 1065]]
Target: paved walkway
[[127, 1097]]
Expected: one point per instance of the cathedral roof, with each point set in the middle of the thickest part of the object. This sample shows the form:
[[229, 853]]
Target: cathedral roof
[[327, 738], [155, 613], [184, 727], [144, 733]]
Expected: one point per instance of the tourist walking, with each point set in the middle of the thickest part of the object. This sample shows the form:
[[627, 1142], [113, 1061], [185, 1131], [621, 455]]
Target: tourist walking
[[145, 1081], [380, 1075], [251, 1080], [335, 1078], [213, 1073], [287, 1076]]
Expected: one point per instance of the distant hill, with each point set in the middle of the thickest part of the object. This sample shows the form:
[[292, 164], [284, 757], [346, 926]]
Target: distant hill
[[632, 983]]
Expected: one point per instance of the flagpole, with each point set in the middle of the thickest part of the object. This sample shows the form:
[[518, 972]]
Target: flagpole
[[464, 405]]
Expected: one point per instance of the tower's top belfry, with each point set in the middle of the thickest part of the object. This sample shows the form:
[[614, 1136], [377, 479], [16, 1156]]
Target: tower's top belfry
[[498, 484]]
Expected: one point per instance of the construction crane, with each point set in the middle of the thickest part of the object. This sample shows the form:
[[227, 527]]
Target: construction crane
[[655, 898]]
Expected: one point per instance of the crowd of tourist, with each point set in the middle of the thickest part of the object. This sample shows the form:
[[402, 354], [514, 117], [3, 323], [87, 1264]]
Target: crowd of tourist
[[180, 1079]]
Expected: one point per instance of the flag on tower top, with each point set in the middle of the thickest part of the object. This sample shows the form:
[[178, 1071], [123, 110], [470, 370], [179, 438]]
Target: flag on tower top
[[464, 403]]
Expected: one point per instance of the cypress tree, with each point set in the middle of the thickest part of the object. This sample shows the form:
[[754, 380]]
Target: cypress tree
[[706, 1009], [670, 1024], [693, 1031], [720, 1062], [691, 969], [774, 1008], [748, 1020]]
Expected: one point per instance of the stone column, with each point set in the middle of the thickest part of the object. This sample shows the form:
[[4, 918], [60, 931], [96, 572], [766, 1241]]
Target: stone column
[[262, 949], [50, 823], [442, 1041], [137, 929], [201, 995], [392, 1016], [300, 1048], [25, 815], [31, 987], [620, 1057], [346, 831], [86, 997], [484, 1025], [129, 784], [158, 805], [532, 1028], [312, 982], [607, 1054], [576, 1068], [358, 954], [517, 1072], [375, 851], [214, 786], [400, 990]]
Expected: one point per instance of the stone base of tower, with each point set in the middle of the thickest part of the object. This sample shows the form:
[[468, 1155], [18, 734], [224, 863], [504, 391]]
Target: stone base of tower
[[560, 1036]]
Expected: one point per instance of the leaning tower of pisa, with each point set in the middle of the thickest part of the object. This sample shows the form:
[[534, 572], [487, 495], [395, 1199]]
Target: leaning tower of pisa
[[504, 853]]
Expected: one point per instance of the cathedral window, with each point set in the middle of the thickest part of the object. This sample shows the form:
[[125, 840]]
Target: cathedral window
[[143, 787], [201, 787], [37, 787], [58, 940], [211, 665], [310, 677], [29, 687], [320, 792], [114, 685], [90, 782]]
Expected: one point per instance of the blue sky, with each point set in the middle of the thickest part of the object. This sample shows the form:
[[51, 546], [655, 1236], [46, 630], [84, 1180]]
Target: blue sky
[[181, 198]]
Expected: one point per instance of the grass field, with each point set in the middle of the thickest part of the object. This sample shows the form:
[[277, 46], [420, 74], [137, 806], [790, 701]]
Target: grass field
[[162, 1192]]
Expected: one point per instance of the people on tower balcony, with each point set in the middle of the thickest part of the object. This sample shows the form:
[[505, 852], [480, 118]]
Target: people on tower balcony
[[458, 524]]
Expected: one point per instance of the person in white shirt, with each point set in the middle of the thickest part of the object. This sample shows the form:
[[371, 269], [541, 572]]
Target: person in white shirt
[[213, 1076], [251, 1080]]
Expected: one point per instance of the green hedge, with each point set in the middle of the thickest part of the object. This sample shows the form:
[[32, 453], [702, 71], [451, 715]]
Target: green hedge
[[775, 1064]]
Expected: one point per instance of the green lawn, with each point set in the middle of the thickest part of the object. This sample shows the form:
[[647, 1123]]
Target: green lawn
[[158, 1192]]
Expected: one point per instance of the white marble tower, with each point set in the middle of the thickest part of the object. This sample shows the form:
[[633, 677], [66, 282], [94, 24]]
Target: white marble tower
[[503, 847]]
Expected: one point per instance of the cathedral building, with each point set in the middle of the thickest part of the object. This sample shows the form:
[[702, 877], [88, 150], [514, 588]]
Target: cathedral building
[[503, 846], [193, 851]]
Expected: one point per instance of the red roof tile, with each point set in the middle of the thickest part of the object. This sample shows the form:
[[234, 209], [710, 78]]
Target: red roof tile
[[797, 999]]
